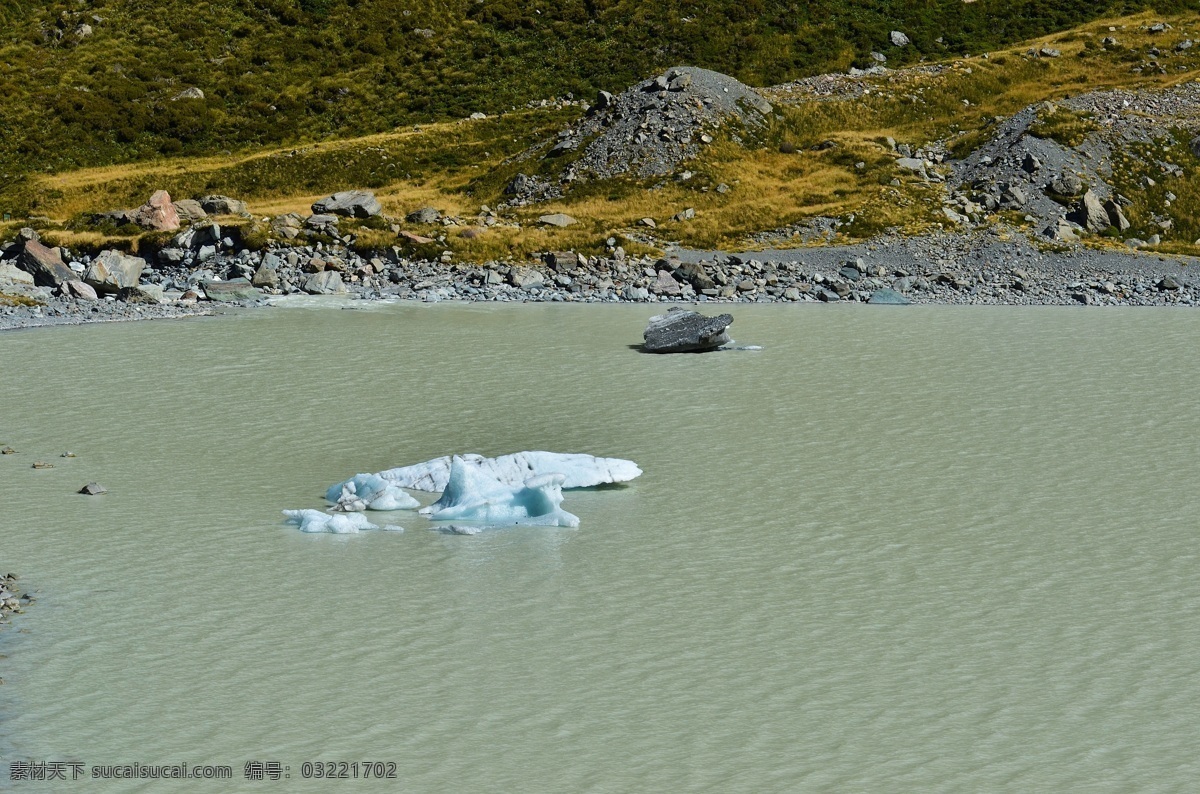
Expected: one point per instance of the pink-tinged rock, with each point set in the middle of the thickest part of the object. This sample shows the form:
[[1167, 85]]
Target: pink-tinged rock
[[158, 213], [415, 238], [77, 289], [44, 264]]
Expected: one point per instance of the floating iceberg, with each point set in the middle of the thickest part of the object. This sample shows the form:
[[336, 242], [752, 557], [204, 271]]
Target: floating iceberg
[[578, 470], [368, 492], [472, 493], [338, 523]]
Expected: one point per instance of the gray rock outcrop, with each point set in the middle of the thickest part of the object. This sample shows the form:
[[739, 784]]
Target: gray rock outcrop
[[349, 203]]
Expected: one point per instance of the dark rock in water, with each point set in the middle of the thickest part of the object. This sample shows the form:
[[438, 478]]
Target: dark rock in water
[[351, 203], [682, 331], [888, 297], [236, 289], [93, 489], [44, 264]]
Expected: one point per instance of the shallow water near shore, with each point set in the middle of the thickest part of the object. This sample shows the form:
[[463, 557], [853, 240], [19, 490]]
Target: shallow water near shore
[[918, 548]]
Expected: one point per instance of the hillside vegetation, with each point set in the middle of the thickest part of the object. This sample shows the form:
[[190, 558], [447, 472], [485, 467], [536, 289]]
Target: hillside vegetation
[[96, 82]]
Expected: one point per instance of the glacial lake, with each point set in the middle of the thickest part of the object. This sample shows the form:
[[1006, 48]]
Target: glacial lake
[[897, 549]]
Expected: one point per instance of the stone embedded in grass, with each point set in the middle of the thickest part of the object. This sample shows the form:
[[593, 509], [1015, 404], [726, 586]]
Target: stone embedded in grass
[[558, 219], [351, 203]]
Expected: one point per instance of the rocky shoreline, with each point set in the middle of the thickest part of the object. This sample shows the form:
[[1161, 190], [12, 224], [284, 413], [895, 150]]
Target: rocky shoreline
[[996, 268], [13, 600]]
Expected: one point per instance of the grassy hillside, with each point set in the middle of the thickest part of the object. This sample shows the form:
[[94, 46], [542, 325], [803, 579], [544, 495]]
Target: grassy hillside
[[285, 71], [784, 178]]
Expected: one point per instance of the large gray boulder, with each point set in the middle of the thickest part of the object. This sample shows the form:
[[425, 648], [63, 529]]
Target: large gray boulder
[[350, 203], [231, 291], [327, 282], [223, 205], [112, 271], [683, 331], [1090, 213], [44, 264]]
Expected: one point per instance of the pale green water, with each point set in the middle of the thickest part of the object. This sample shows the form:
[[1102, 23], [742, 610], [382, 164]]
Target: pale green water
[[918, 549]]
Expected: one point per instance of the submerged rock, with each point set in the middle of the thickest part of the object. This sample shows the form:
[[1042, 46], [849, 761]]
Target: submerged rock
[[682, 331]]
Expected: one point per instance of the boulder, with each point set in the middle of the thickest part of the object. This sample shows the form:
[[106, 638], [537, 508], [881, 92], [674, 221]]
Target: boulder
[[694, 274], [112, 271], [223, 205], [351, 203], [562, 261], [683, 331], [666, 284], [231, 291], [157, 214], [77, 289], [44, 264], [888, 297], [190, 210], [11, 274], [267, 274], [1090, 213], [898, 39], [327, 282], [415, 238], [424, 215], [526, 278], [149, 294], [1116, 216], [1066, 184], [558, 219]]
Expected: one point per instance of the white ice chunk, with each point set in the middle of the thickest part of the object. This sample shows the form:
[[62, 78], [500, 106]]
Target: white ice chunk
[[392, 528], [338, 523], [578, 470], [473, 494], [368, 492]]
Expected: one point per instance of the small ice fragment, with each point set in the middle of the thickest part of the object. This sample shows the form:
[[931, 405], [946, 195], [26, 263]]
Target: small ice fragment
[[460, 529], [392, 528], [368, 492], [338, 524]]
